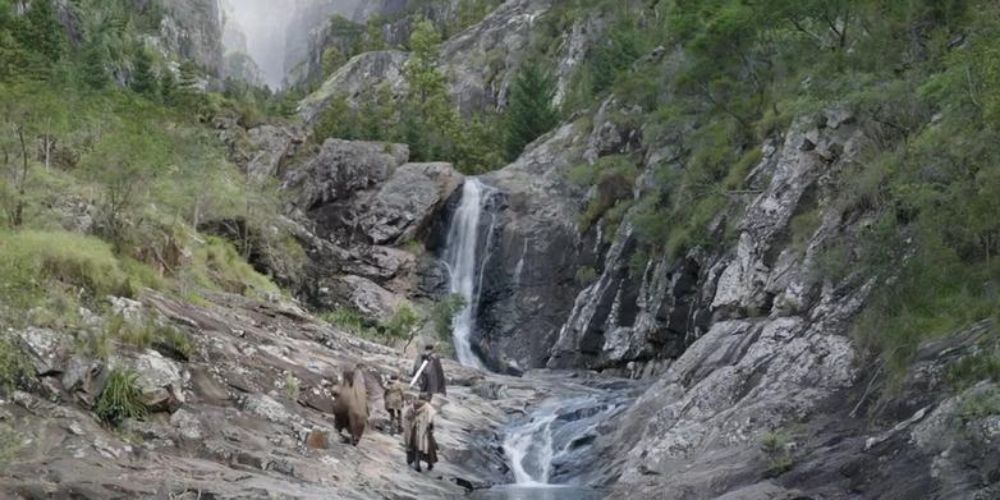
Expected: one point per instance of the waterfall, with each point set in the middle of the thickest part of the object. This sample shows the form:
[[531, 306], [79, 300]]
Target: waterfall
[[461, 249], [548, 446]]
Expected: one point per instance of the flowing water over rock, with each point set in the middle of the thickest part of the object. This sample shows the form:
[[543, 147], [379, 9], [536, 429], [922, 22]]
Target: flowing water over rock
[[464, 267], [551, 449]]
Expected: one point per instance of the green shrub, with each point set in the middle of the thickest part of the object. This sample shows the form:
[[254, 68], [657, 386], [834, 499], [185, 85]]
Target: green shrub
[[164, 338], [121, 399], [982, 404], [803, 226], [984, 365], [349, 320], [529, 112], [585, 275], [217, 264], [14, 365], [403, 323], [738, 173], [95, 344], [172, 342], [614, 179], [443, 315], [292, 386], [776, 447], [33, 262]]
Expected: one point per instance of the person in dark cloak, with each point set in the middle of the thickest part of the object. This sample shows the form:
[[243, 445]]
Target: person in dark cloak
[[432, 379]]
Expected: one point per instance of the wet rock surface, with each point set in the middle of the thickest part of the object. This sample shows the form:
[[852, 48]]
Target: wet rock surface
[[242, 428]]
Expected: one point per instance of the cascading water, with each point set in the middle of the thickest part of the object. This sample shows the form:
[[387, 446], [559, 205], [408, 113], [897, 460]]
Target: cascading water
[[550, 447], [550, 450], [461, 251]]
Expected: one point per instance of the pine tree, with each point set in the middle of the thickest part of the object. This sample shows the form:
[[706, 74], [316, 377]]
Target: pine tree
[[42, 32], [13, 57], [373, 37], [143, 79], [168, 88], [94, 70], [189, 92], [529, 112]]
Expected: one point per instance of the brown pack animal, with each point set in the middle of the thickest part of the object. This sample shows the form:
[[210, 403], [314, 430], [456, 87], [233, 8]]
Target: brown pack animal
[[350, 408]]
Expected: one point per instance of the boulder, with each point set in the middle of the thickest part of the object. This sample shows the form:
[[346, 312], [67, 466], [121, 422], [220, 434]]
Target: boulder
[[269, 145], [489, 390], [380, 264], [406, 203], [342, 168], [161, 381], [363, 295], [130, 310], [187, 424], [46, 348], [84, 379]]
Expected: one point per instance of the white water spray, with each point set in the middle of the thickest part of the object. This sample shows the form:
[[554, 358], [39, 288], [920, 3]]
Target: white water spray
[[466, 276], [529, 450], [558, 430]]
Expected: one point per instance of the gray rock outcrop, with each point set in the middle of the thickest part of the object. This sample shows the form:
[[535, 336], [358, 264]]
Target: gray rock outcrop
[[341, 168], [241, 431], [405, 204], [358, 79]]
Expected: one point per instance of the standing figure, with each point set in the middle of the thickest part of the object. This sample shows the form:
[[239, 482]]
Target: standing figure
[[419, 434], [393, 398], [432, 377], [350, 406]]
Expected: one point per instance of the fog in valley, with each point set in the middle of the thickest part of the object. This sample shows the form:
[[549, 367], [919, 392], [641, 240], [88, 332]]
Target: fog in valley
[[275, 33]]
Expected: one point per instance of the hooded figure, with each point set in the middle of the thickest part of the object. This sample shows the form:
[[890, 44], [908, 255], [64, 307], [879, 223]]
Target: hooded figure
[[393, 398], [350, 408], [432, 378], [419, 434]]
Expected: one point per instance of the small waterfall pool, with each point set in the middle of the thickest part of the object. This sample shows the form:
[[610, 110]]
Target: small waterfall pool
[[550, 449]]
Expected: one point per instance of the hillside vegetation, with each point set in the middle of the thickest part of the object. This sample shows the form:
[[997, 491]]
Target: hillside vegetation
[[108, 167], [722, 77]]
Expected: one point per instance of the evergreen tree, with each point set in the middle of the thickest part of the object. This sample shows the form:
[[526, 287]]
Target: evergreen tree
[[168, 88], [13, 57], [42, 32], [143, 78], [94, 70], [189, 92], [431, 124], [373, 37], [529, 112], [423, 76]]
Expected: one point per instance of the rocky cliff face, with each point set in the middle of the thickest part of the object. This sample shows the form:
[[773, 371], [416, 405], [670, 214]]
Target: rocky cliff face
[[479, 63], [192, 29]]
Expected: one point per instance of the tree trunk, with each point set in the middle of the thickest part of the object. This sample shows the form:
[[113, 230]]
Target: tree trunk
[[18, 218]]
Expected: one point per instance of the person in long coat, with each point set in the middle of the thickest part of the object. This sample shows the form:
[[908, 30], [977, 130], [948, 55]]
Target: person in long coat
[[418, 436], [432, 379], [393, 398]]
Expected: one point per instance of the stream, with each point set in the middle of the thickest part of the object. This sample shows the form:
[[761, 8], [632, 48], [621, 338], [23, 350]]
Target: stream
[[550, 450]]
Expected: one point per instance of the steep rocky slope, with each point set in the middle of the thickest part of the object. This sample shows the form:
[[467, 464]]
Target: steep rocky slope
[[479, 63], [247, 414], [192, 29]]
